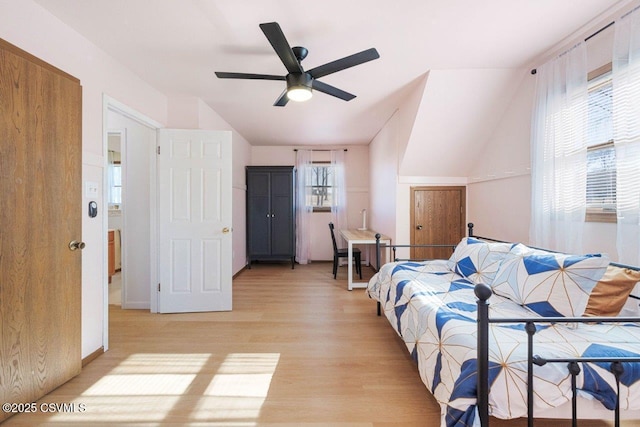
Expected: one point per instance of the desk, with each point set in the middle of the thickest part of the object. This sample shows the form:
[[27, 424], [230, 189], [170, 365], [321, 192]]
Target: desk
[[360, 237]]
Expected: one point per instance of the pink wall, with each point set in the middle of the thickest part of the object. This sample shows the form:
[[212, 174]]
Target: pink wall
[[499, 190], [383, 172]]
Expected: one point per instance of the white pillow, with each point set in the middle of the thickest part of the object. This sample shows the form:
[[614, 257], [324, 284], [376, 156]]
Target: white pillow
[[478, 260]]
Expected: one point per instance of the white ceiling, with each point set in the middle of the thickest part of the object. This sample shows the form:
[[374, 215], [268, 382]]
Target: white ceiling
[[176, 45]]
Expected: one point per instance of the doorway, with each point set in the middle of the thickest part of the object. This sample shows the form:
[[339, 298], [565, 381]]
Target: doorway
[[137, 137], [137, 202], [116, 141], [437, 218]]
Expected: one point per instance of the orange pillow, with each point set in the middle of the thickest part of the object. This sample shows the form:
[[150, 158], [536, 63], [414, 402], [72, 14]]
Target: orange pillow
[[611, 292]]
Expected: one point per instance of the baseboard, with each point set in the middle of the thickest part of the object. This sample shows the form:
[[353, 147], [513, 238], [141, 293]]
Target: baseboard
[[239, 271], [93, 356]]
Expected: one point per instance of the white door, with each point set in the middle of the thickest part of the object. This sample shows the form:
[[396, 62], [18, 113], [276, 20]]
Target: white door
[[194, 200]]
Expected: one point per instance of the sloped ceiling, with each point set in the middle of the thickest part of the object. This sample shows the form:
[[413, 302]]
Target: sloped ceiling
[[458, 111], [176, 45]]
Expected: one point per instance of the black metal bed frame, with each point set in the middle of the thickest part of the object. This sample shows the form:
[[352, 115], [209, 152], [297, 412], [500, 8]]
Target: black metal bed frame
[[484, 292]]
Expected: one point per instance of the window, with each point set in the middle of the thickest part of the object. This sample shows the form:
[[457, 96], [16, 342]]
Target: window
[[320, 190], [601, 156], [115, 195]]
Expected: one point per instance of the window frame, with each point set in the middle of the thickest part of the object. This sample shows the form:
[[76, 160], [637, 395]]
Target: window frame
[[598, 214], [309, 186]]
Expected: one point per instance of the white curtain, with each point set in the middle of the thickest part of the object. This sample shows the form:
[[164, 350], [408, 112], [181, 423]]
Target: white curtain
[[304, 210], [626, 134], [339, 206], [559, 152]]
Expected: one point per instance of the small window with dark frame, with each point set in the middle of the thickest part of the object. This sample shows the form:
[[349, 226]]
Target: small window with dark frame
[[320, 191], [601, 156]]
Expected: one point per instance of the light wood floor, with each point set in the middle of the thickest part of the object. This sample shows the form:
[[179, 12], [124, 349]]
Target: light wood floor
[[298, 349]]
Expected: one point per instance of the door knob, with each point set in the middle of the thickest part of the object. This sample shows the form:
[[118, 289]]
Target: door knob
[[419, 227], [225, 230], [74, 244]]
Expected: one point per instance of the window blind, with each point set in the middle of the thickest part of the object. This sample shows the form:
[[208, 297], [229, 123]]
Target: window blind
[[601, 156], [601, 178]]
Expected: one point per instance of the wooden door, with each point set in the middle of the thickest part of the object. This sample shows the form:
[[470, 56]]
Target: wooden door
[[40, 214], [437, 217], [194, 175]]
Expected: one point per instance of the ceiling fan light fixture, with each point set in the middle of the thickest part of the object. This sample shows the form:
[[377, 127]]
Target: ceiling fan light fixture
[[299, 87], [299, 93]]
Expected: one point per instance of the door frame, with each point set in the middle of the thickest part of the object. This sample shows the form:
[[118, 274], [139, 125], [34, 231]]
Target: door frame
[[412, 219], [111, 104]]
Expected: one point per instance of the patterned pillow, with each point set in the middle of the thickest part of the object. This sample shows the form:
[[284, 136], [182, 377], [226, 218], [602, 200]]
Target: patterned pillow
[[551, 284], [478, 260], [612, 291]]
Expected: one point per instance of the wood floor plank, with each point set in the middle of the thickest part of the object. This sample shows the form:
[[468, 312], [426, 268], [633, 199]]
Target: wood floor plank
[[297, 350]]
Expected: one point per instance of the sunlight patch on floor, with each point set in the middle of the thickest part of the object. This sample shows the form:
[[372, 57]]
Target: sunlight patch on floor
[[172, 387], [240, 387], [153, 363], [141, 385], [244, 375]]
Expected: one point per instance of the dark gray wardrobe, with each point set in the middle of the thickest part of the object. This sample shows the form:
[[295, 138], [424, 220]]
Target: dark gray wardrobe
[[271, 213]]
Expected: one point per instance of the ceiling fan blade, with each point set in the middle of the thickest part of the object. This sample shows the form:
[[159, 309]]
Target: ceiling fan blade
[[332, 90], [282, 101], [224, 75], [279, 42], [346, 62]]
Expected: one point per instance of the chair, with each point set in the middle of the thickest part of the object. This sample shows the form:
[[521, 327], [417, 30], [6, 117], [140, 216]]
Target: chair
[[344, 253]]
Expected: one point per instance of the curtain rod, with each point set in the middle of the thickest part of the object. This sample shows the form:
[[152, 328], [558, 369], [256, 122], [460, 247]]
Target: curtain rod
[[296, 149], [534, 71], [600, 30]]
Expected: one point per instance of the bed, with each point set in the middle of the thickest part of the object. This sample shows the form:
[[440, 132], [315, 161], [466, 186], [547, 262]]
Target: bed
[[505, 330]]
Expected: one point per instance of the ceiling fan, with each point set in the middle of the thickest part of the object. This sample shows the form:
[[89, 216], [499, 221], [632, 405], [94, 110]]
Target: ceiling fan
[[301, 82]]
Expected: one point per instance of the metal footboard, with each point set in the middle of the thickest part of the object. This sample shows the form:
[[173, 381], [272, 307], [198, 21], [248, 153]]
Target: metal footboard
[[483, 292]]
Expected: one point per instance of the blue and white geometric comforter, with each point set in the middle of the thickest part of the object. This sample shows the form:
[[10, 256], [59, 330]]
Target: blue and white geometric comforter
[[433, 309]]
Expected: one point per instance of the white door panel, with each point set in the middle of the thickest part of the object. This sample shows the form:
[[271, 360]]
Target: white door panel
[[194, 173]]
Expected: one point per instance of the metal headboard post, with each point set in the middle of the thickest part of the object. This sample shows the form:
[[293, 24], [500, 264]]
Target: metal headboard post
[[483, 292], [378, 264]]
